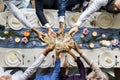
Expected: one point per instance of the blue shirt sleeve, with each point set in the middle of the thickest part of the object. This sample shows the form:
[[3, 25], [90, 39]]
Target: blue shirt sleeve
[[56, 71]]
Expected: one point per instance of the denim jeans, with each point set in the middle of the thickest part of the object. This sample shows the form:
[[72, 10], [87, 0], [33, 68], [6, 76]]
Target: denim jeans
[[67, 5]]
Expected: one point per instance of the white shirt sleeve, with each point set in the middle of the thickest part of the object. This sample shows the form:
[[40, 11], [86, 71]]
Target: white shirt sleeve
[[32, 69], [96, 5]]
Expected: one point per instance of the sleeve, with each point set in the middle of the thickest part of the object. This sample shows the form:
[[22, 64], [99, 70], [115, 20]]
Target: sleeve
[[32, 69], [81, 68], [39, 11], [1, 70], [16, 12], [97, 71], [64, 77], [61, 9], [95, 6], [24, 4], [56, 71]]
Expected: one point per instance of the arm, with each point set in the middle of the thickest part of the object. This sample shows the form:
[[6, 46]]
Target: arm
[[95, 6], [40, 14], [56, 71], [97, 72], [18, 14], [80, 66], [81, 69], [36, 64], [62, 8]]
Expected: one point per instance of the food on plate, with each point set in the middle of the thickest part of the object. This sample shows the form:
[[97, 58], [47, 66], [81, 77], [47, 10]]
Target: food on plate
[[108, 60], [75, 18], [12, 56], [15, 21]]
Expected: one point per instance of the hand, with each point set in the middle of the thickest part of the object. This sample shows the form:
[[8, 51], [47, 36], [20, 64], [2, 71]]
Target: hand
[[61, 29], [73, 30], [51, 33], [39, 34], [49, 49]]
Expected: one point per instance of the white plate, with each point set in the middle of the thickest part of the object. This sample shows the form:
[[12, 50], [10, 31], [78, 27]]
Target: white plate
[[71, 20], [1, 6], [105, 20], [12, 25], [103, 60], [50, 18], [47, 62], [13, 58], [117, 21], [71, 60]]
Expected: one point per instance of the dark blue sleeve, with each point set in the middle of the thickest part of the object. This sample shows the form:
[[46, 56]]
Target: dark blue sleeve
[[56, 71], [39, 11], [62, 7], [64, 77], [81, 69]]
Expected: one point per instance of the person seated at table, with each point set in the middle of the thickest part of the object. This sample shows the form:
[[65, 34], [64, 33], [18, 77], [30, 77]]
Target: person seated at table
[[30, 70], [112, 6], [19, 3], [46, 75], [80, 66], [96, 73], [13, 7]]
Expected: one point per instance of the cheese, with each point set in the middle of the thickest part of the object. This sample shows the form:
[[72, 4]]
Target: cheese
[[12, 56], [15, 21], [108, 60], [75, 18]]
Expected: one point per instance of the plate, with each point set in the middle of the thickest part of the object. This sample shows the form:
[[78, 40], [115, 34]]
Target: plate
[[14, 23], [47, 62], [71, 60], [1, 6], [72, 19], [105, 20], [50, 18], [107, 60], [117, 21], [13, 58]]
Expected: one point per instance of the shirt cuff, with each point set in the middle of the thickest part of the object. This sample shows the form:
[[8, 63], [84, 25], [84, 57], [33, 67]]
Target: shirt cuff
[[78, 23], [47, 25], [61, 18], [42, 56]]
